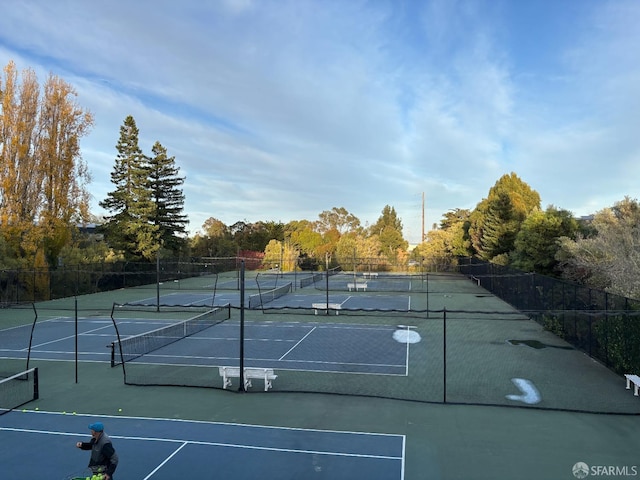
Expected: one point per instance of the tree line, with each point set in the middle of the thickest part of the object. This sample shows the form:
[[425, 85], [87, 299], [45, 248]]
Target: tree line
[[337, 237], [44, 200], [509, 227]]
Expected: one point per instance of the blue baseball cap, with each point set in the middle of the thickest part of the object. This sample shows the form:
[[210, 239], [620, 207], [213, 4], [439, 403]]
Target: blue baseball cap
[[96, 427]]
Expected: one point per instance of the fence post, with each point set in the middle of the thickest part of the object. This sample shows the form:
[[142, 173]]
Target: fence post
[[444, 355]]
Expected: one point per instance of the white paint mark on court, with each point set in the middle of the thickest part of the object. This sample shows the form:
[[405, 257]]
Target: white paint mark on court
[[184, 444], [406, 336], [530, 394]]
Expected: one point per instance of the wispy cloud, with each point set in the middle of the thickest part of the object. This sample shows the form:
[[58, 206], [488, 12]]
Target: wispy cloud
[[280, 110]]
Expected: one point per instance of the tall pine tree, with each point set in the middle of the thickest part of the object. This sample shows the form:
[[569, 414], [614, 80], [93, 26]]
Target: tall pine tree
[[130, 228], [168, 198], [388, 228]]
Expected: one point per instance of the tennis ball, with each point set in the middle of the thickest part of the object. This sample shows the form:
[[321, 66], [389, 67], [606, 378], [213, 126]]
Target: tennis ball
[[74, 413], [37, 408], [119, 409], [24, 411]]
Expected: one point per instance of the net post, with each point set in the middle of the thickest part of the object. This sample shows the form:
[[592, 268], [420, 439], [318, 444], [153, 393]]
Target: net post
[[158, 280], [444, 355], [33, 326], [36, 387], [75, 322], [427, 295], [241, 365], [326, 258]]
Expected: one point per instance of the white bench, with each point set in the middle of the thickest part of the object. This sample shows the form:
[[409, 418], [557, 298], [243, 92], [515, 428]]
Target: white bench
[[323, 306], [370, 274], [357, 286], [255, 373], [635, 379]]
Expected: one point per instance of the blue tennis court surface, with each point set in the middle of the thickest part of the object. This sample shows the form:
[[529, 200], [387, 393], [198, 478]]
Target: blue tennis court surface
[[42, 445], [312, 346]]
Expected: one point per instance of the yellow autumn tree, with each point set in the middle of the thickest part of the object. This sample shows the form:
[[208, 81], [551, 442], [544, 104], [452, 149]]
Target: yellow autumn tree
[[43, 178]]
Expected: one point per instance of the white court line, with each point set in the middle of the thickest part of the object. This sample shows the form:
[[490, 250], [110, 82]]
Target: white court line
[[207, 422], [299, 342], [166, 460], [68, 337], [210, 444], [28, 325]]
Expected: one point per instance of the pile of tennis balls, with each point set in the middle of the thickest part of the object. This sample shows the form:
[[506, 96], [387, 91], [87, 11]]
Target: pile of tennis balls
[[99, 476]]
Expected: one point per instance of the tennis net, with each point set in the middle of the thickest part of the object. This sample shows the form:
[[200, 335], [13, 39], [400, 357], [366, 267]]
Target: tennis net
[[257, 300], [310, 280], [18, 389], [130, 348], [399, 282]]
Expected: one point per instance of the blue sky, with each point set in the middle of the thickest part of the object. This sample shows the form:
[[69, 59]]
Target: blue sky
[[279, 110]]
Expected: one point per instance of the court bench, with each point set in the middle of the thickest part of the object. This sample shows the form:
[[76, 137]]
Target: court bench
[[357, 286], [323, 306], [635, 379], [370, 274], [250, 373]]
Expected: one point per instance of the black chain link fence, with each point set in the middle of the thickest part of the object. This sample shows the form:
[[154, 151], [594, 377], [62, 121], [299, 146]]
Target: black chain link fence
[[603, 325]]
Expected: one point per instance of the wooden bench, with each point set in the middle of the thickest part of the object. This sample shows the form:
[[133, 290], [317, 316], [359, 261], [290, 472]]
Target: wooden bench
[[323, 306], [635, 379], [255, 373], [357, 286]]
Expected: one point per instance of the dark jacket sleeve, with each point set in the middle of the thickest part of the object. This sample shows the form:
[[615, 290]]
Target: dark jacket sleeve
[[86, 446]]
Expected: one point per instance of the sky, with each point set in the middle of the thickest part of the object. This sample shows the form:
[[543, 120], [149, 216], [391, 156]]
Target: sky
[[278, 110]]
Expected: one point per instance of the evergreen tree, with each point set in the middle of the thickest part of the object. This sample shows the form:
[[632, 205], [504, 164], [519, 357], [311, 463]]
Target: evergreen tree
[[131, 205], [388, 228], [168, 198], [536, 243], [496, 220]]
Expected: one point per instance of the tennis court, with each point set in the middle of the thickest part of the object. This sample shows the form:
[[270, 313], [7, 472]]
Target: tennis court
[[168, 449], [456, 353], [282, 345]]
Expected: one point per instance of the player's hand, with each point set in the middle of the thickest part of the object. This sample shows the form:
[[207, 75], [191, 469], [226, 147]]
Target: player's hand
[[78, 444]]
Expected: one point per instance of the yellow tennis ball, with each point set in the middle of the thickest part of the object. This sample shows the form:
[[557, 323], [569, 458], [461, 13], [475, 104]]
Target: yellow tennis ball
[[37, 408], [119, 409]]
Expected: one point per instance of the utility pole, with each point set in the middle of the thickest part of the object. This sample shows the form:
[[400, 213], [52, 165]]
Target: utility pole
[[423, 235]]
